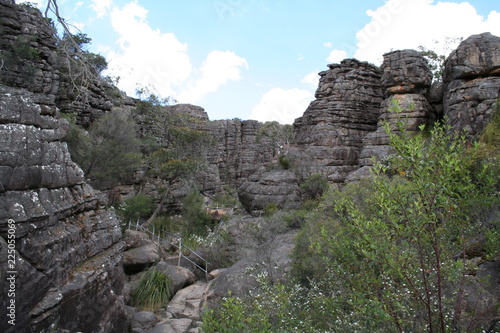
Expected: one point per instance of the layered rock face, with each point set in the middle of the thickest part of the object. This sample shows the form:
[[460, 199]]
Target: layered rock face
[[406, 81], [237, 154], [68, 249], [472, 83], [347, 106]]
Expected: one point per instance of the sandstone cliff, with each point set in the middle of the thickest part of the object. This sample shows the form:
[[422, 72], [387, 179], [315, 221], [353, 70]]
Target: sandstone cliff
[[68, 249]]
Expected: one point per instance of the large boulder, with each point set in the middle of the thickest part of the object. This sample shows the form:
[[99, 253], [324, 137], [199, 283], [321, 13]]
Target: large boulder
[[475, 56], [472, 85], [140, 258], [181, 277]]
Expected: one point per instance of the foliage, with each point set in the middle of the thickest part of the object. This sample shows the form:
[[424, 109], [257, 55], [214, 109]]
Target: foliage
[[270, 209], [388, 254], [314, 186], [398, 258], [153, 291], [279, 136], [285, 162], [108, 153], [228, 199], [435, 60], [74, 47], [196, 219], [176, 148], [139, 206]]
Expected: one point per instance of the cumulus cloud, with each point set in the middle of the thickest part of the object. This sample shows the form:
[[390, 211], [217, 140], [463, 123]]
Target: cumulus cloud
[[311, 80], [282, 105], [337, 56], [149, 58], [101, 7], [400, 24], [217, 69]]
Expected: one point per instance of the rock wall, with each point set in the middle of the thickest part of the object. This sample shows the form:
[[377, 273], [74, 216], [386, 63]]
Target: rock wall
[[347, 107], [472, 83], [68, 249]]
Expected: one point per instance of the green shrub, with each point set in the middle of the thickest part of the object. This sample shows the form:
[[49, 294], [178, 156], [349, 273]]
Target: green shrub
[[153, 291], [196, 219], [285, 162], [270, 209], [314, 186], [139, 206]]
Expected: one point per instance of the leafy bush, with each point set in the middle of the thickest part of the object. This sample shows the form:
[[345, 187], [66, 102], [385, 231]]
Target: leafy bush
[[139, 206], [153, 291], [314, 186], [285, 162], [196, 219], [392, 251], [108, 153]]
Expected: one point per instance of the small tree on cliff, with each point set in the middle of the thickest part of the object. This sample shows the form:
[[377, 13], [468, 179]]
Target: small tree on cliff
[[279, 136], [176, 144]]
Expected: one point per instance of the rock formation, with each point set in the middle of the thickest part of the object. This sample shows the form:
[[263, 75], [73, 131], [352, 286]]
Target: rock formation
[[472, 83], [68, 249], [347, 106]]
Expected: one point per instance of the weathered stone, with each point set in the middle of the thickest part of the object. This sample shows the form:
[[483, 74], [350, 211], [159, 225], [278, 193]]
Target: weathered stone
[[183, 325], [329, 135], [134, 239], [143, 320], [405, 72], [275, 186], [476, 56], [181, 277], [138, 259]]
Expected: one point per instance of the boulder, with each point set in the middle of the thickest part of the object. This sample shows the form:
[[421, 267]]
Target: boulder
[[138, 259], [134, 239], [405, 71], [143, 321], [475, 56], [181, 277], [472, 85]]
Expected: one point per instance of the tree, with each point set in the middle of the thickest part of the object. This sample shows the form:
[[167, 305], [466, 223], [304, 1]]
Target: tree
[[109, 152], [279, 136], [403, 264], [390, 254], [176, 143]]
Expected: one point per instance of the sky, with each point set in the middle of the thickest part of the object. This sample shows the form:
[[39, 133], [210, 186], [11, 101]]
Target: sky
[[260, 59]]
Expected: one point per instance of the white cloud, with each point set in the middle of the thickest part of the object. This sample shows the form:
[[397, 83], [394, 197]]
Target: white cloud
[[217, 69], [149, 58], [336, 56], [282, 105], [328, 45], [101, 7], [311, 80], [401, 24]]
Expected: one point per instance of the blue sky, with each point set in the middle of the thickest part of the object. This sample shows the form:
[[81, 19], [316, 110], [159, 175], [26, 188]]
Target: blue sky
[[259, 59]]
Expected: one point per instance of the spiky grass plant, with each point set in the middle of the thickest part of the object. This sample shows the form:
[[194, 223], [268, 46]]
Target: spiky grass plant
[[153, 291]]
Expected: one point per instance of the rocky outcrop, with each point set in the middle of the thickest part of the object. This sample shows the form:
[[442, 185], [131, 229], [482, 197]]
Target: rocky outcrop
[[237, 153], [347, 106], [279, 187], [472, 83], [68, 248], [406, 80]]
